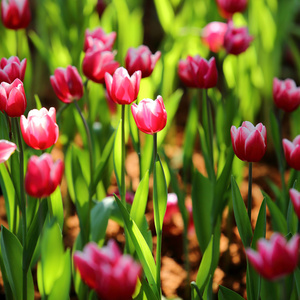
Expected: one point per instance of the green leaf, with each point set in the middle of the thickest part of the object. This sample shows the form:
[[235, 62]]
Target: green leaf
[[297, 280], [7, 288], [227, 294], [260, 227], [292, 219], [56, 207], [165, 14], [118, 154], [253, 283], [240, 214]]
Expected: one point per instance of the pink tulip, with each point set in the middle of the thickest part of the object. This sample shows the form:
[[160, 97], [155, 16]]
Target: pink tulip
[[236, 40], [40, 130], [286, 94], [150, 116], [292, 152], [99, 35], [141, 59], [12, 68], [122, 88], [228, 7], [6, 150], [197, 72], [172, 207], [12, 98], [15, 14], [112, 275], [275, 258], [213, 35], [295, 197], [67, 84], [43, 175], [249, 143]]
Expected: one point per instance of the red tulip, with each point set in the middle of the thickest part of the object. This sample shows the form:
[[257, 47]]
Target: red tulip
[[122, 88], [99, 35], [295, 197], [197, 72], [236, 40], [249, 143], [150, 116], [43, 175], [12, 98], [275, 258], [67, 84], [228, 7], [141, 59], [112, 275], [40, 130], [6, 150], [97, 62], [12, 68], [286, 94], [292, 152], [213, 35], [15, 14], [100, 7]]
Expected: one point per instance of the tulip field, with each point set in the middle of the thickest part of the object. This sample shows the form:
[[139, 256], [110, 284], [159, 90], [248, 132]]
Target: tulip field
[[150, 149]]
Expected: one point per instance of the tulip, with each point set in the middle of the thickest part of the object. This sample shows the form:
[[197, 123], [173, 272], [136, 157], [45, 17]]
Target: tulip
[[6, 150], [197, 72], [112, 275], [213, 35], [40, 130], [275, 258], [99, 35], [15, 14], [141, 59], [67, 84], [12, 68], [286, 94], [228, 7], [236, 40], [12, 98], [43, 175], [295, 197], [249, 143], [172, 207], [97, 62], [150, 116], [292, 152], [100, 7], [122, 88]]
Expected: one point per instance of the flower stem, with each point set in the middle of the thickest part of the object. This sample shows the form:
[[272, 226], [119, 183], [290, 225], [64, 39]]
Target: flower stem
[[123, 188], [250, 191]]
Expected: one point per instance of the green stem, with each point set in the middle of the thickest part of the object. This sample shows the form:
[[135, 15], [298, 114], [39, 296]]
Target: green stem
[[250, 191], [123, 188]]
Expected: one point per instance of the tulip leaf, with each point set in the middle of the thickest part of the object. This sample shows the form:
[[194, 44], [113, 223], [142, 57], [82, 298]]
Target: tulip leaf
[[227, 294], [253, 283], [56, 209], [165, 14], [260, 227], [7, 288], [240, 214], [297, 280], [147, 153], [292, 219], [134, 133], [118, 154]]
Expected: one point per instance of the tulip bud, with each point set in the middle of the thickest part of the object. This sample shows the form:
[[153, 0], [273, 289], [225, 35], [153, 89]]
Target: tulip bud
[[40, 130], [6, 150], [12, 68], [228, 7], [286, 94], [275, 258], [249, 143], [236, 40], [67, 84], [12, 98], [43, 175], [295, 197], [292, 152], [197, 72], [122, 88], [141, 59], [15, 14], [150, 116], [102, 269]]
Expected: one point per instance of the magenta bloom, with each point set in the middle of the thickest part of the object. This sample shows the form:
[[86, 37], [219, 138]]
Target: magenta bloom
[[236, 40], [228, 7], [141, 59], [249, 143], [286, 94], [122, 88], [213, 35], [43, 175], [99, 35], [12, 68], [100, 7], [6, 150], [112, 275], [150, 116], [12, 98], [40, 130], [292, 152], [15, 14], [197, 72], [275, 258], [172, 207], [295, 197], [67, 84]]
